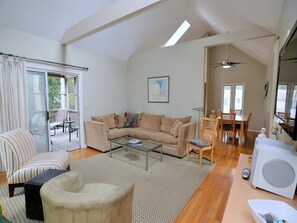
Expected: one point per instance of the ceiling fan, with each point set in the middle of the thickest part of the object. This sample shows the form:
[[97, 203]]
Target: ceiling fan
[[227, 63], [289, 59]]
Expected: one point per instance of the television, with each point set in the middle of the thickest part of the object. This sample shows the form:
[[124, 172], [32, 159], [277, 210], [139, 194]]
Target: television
[[286, 93]]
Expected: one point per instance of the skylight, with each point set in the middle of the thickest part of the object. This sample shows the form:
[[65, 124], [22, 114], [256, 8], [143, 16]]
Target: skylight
[[178, 34]]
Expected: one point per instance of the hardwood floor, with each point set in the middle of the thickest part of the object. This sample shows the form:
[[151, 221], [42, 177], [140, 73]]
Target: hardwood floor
[[209, 201]]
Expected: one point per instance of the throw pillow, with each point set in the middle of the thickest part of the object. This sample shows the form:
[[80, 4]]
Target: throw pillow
[[167, 123], [120, 121], [175, 128], [139, 118], [130, 120]]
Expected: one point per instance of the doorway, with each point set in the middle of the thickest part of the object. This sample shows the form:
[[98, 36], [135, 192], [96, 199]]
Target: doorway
[[53, 110]]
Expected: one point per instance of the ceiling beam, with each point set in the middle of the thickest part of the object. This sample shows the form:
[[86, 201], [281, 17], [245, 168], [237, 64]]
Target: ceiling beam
[[116, 13], [255, 32]]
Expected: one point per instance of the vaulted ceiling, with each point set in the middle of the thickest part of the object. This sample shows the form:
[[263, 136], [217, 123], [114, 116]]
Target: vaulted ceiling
[[148, 30]]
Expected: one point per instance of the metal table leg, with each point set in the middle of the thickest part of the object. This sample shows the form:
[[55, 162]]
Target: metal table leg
[[146, 161], [161, 153]]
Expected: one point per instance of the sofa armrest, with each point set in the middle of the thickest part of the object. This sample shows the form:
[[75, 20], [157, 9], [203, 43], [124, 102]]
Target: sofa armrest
[[186, 131], [96, 135]]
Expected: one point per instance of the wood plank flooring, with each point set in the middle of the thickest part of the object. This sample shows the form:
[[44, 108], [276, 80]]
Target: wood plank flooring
[[209, 201]]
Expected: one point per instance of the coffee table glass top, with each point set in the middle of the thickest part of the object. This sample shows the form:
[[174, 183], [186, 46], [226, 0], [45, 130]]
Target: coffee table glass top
[[144, 145]]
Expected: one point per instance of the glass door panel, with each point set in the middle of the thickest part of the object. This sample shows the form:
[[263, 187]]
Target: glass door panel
[[37, 106], [238, 101], [226, 98]]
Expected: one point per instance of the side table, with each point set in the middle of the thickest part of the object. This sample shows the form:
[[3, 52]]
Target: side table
[[32, 197]]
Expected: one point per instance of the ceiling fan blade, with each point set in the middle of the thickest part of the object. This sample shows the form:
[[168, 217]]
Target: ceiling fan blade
[[233, 63], [295, 58]]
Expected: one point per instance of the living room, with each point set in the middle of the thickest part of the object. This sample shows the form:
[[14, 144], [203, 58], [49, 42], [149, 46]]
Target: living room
[[176, 61], [116, 85]]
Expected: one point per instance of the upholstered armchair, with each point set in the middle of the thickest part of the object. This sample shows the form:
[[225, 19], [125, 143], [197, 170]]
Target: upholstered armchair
[[65, 199], [21, 160]]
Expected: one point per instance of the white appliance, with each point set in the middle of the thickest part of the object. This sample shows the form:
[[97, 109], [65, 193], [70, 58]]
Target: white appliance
[[274, 167]]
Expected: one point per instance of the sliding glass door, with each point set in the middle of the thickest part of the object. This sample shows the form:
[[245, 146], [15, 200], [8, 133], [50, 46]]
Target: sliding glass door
[[37, 106]]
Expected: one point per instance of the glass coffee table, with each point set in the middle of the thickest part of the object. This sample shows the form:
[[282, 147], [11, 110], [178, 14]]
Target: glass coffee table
[[131, 142]]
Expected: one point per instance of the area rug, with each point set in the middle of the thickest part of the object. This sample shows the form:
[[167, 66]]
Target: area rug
[[160, 193]]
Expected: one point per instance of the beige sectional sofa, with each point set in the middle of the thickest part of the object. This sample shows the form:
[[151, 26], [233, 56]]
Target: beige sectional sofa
[[172, 133]]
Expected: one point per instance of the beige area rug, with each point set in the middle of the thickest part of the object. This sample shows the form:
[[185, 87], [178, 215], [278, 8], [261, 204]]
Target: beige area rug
[[160, 193]]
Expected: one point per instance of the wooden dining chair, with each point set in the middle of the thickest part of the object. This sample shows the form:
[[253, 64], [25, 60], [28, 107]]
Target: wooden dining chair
[[284, 116], [227, 126], [246, 126], [216, 113], [207, 135], [236, 111]]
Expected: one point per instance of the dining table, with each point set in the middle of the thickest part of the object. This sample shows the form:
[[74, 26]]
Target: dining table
[[240, 120]]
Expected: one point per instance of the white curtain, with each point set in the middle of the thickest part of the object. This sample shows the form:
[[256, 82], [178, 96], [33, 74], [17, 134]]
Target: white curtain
[[13, 95]]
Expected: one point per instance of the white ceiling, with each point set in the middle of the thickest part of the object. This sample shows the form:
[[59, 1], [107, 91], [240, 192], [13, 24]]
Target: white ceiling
[[51, 18]]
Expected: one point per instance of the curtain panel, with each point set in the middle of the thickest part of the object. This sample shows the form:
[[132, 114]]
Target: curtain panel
[[13, 95]]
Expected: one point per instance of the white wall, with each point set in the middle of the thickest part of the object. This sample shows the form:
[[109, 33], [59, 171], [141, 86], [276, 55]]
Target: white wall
[[185, 64], [181, 64], [103, 86]]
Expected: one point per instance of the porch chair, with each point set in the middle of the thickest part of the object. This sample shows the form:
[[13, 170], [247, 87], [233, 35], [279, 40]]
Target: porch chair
[[21, 161], [227, 126], [207, 134], [73, 124], [65, 199], [59, 120]]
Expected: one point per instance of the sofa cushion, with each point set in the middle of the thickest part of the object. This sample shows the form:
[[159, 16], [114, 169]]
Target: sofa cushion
[[141, 133], [163, 137], [152, 122], [185, 120], [116, 133], [175, 128], [167, 122], [109, 120]]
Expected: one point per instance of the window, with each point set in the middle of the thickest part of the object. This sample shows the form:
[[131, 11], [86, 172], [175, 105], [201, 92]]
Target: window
[[282, 92], [233, 95], [62, 92], [178, 34], [72, 94], [286, 98]]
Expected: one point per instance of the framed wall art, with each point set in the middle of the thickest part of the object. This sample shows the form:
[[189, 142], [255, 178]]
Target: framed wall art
[[158, 89]]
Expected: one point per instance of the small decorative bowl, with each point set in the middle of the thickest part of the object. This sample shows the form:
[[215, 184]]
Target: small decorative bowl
[[134, 141], [280, 209]]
